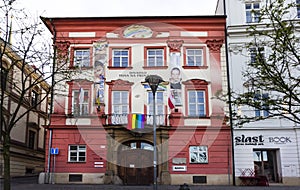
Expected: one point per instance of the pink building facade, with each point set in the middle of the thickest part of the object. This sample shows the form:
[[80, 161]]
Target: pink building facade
[[102, 121]]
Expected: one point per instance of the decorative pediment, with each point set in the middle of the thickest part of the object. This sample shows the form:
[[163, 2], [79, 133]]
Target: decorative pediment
[[195, 82], [33, 125], [175, 45], [214, 45], [62, 50], [62, 46], [120, 82], [80, 81], [236, 48], [137, 31]]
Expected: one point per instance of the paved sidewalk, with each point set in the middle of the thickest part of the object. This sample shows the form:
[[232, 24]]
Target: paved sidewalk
[[160, 187], [30, 183]]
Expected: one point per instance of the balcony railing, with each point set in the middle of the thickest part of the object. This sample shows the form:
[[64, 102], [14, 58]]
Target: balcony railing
[[122, 119]]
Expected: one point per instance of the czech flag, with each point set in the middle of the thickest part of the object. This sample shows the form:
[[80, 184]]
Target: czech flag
[[171, 101]]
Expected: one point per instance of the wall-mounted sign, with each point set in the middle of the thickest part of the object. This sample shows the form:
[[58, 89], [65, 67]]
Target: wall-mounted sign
[[98, 164], [280, 140], [179, 168], [131, 165], [259, 140], [54, 151], [249, 140], [179, 160], [133, 74]]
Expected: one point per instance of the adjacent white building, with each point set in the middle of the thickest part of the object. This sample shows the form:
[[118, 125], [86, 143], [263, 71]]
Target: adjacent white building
[[269, 147]]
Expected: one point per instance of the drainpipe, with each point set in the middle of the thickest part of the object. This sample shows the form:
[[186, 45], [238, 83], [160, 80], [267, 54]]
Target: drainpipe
[[51, 104], [49, 156], [229, 96]]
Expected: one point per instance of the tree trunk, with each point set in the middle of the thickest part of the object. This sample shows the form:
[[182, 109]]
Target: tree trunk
[[6, 156]]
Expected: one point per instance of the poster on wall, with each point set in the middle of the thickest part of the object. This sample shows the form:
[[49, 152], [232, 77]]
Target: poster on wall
[[175, 79], [100, 51]]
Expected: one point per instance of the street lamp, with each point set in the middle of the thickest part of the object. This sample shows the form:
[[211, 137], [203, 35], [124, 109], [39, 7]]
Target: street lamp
[[154, 81]]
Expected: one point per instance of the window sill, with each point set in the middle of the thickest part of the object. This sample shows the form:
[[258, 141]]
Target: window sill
[[194, 67], [155, 67], [253, 22], [197, 117], [82, 68], [77, 116], [118, 68]]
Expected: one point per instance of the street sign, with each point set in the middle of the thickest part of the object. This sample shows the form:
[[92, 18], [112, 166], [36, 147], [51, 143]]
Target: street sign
[[54, 151]]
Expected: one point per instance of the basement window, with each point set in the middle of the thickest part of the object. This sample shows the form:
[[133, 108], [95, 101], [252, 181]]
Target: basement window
[[75, 177]]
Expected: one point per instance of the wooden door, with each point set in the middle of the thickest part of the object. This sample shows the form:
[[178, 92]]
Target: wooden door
[[136, 167]]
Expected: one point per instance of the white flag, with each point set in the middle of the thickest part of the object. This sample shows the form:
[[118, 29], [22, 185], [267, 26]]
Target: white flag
[[81, 95]]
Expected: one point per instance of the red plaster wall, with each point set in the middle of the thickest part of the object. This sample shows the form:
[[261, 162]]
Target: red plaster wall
[[219, 150], [92, 138]]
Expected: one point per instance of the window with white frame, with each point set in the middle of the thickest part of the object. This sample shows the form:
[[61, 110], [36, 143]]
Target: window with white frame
[[120, 102], [196, 103], [77, 153], [155, 57], [159, 103], [82, 57], [80, 103], [252, 12], [298, 8], [120, 57], [198, 154], [194, 57], [256, 53], [262, 99]]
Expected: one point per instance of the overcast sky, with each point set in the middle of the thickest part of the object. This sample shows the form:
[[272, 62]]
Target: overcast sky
[[98, 8]]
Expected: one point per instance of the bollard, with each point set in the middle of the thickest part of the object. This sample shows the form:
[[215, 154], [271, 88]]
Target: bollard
[[184, 187]]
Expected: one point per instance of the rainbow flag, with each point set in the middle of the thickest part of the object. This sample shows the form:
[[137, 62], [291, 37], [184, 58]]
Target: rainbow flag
[[136, 121]]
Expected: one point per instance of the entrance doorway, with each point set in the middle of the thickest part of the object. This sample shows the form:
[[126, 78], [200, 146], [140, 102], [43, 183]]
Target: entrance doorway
[[135, 163], [265, 164]]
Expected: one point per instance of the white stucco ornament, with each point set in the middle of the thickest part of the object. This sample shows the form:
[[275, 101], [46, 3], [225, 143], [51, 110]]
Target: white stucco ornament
[[137, 31]]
